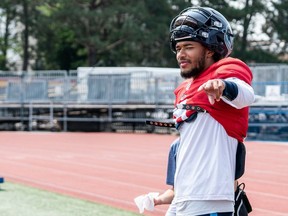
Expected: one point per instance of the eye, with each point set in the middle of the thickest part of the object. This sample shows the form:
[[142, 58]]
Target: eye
[[177, 49], [189, 47]]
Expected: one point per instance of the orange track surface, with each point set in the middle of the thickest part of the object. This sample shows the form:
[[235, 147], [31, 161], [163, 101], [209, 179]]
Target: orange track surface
[[113, 168]]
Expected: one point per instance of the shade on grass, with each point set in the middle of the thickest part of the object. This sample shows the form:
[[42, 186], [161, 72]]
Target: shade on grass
[[19, 200]]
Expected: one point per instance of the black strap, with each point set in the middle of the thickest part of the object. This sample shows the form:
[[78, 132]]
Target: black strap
[[240, 160], [191, 107], [161, 124], [171, 124]]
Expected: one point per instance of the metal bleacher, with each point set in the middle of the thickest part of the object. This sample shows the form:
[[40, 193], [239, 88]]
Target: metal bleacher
[[121, 98]]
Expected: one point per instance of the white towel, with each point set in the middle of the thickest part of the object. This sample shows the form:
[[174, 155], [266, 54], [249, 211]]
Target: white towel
[[146, 201]]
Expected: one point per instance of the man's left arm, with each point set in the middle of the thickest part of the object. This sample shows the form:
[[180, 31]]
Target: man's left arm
[[237, 93], [232, 91]]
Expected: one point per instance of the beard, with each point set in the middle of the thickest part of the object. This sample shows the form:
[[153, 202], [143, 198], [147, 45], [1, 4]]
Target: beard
[[196, 71]]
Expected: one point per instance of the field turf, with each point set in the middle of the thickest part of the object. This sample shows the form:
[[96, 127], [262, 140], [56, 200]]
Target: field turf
[[19, 200]]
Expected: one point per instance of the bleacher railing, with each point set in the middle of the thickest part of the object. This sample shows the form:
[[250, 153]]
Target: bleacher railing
[[25, 97], [146, 86]]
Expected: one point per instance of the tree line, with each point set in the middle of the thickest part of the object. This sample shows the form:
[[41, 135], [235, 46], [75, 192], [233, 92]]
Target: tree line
[[66, 34]]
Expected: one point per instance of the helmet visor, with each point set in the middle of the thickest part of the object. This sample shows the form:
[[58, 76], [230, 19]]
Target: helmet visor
[[184, 21]]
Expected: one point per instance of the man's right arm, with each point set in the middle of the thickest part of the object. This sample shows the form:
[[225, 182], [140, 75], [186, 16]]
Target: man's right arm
[[164, 198]]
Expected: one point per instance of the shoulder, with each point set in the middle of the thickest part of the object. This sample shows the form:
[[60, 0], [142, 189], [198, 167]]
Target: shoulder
[[232, 62], [233, 67]]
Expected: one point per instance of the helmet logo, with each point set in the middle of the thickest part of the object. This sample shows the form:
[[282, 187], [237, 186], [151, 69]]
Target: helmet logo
[[217, 24], [205, 34]]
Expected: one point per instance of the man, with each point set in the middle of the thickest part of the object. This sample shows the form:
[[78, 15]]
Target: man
[[211, 112]]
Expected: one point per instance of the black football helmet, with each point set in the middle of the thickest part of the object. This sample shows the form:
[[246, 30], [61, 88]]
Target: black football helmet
[[204, 25]]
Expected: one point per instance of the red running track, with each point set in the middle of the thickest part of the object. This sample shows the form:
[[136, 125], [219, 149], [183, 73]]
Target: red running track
[[113, 168]]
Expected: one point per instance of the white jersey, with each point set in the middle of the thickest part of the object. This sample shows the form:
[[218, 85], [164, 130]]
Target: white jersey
[[205, 164], [206, 159]]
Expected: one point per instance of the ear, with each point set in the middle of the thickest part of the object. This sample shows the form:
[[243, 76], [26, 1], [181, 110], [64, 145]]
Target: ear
[[209, 53]]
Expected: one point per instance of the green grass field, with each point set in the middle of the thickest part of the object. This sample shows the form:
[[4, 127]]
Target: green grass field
[[19, 200]]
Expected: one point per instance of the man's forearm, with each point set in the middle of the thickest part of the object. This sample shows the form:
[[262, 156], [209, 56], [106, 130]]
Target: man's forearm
[[244, 96], [164, 198]]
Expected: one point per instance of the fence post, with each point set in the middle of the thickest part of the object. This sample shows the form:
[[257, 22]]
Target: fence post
[[22, 99], [30, 116]]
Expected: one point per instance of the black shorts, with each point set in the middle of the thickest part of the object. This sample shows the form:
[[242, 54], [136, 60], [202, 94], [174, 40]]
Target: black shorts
[[219, 214]]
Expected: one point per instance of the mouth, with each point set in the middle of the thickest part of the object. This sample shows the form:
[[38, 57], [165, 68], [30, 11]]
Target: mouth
[[183, 64]]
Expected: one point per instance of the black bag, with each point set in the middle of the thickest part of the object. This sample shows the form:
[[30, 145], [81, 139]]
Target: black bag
[[242, 205]]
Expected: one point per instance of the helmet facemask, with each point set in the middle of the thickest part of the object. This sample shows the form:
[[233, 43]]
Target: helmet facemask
[[183, 28]]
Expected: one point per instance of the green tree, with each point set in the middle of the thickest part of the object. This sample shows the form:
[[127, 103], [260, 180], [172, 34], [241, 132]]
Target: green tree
[[242, 16], [65, 34], [56, 43], [98, 26], [275, 26], [8, 14], [24, 16], [108, 33]]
